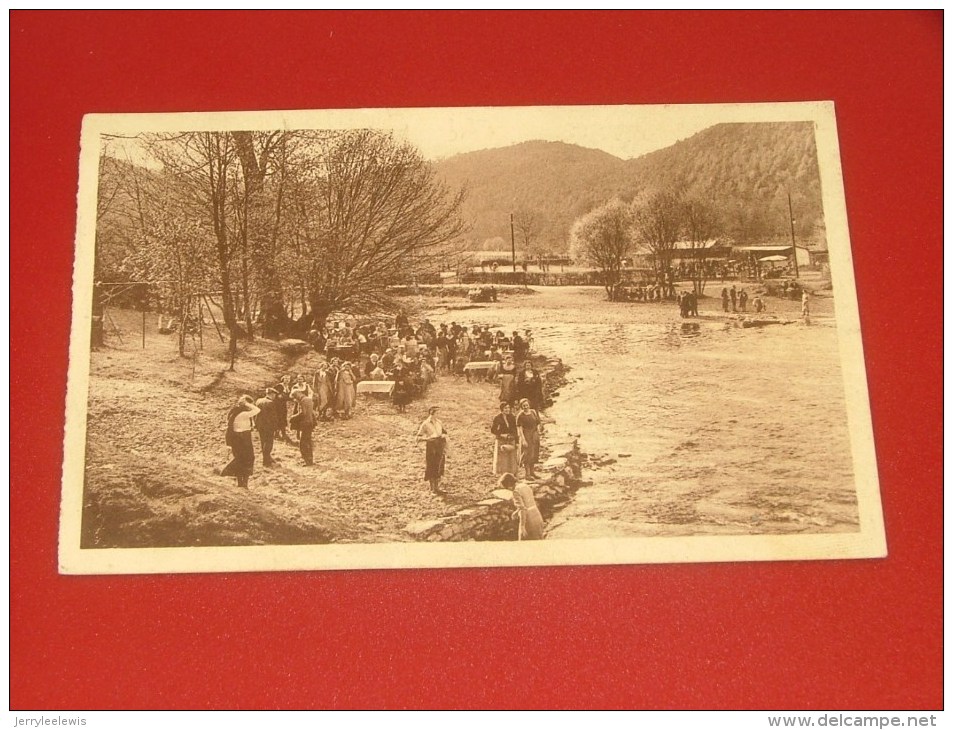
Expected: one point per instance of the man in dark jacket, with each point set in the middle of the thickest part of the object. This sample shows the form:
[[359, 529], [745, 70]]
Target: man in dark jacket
[[267, 422], [303, 421], [519, 348]]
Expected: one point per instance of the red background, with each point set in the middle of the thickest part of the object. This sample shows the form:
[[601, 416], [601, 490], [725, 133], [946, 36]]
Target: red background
[[828, 635]]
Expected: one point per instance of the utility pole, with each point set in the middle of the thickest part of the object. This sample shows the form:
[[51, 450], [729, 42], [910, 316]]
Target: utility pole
[[513, 242], [797, 272]]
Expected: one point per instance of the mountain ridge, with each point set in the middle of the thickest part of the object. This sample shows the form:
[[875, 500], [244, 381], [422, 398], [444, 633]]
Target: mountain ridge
[[745, 170]]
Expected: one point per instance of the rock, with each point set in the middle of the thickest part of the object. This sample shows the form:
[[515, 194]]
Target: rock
[[624, 456], [422, 527], [490, 502]]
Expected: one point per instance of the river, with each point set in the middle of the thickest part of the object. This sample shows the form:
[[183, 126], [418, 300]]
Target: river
[[714, 429]]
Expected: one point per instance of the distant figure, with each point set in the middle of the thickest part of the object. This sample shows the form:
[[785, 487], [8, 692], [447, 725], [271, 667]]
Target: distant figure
[[508, 393], [806, 307], [758, 304], [238, 437], [302, 420], [432, 432], [403, 388], [725, 299], [743, 300], [281, 411], [531, 521], [734, 298], [519, 346], [267, 423]]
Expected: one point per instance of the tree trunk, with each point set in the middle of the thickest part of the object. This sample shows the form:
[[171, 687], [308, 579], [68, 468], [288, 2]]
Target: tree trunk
[[273, 315], [183, 309], [321, 309], [261, 243]]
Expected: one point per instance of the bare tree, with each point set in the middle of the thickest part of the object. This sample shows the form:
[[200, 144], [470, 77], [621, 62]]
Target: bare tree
[[265, 158], [528, 225], [604, 238], [700, 226], [658, 222], [379, 210], [329, 218], [203, 166]]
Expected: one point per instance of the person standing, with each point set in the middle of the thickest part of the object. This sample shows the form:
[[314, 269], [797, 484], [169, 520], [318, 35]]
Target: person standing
[[442, 344], [508, 393], [267, 423], [281, 411], [529, 386], [284, 400], [734, 298], [433, 433], [303, 421], [529, 426], [505, 450], [323, 391], [806, 307], [519, 346], [403, 391], [346, 389], [238, 437], [724, 299]]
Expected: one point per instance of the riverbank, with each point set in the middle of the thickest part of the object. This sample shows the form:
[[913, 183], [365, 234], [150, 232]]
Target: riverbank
[[704, 426], [156, 436], [683, 407]]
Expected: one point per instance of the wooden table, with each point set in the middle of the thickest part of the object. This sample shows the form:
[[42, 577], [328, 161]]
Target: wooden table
[[479, 366], [375, 386]]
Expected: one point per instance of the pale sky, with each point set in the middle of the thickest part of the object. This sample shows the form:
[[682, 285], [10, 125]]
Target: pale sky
[[623, 131]]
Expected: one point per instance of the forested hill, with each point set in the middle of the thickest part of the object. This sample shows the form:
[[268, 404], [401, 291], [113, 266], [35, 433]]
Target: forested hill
[[557, 181], [744, 170]]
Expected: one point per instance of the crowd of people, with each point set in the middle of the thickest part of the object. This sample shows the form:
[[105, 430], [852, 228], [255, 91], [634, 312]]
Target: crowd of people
[[409, 359], [734, 301]]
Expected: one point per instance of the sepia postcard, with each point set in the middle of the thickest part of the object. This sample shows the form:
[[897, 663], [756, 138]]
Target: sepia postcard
[[460, 337]]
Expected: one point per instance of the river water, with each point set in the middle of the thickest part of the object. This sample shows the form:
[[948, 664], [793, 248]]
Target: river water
[[714, 429]]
